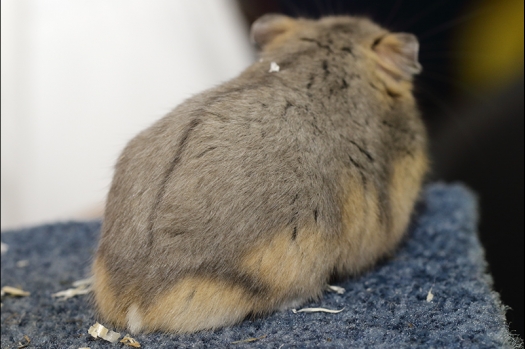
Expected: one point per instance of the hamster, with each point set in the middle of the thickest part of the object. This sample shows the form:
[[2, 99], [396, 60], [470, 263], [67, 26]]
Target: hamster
[[248, 198]]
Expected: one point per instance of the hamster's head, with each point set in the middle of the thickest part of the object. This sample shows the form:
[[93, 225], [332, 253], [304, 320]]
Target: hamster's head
[[390, 58]]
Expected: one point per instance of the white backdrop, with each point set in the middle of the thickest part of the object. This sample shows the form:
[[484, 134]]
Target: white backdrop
[[80, 78]]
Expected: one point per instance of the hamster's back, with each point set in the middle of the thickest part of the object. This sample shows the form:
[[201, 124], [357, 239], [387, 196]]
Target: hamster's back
[[249, 197]]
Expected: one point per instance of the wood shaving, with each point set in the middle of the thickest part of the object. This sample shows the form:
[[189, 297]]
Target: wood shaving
[[316, 310], [71, 292], [336, 289], [22, 264], [248, 340], [23, 345], [81, 287], [4, 247], [127, 340], [97, 330], [13, 291], [83, 282], [430, 295], [274, 68]]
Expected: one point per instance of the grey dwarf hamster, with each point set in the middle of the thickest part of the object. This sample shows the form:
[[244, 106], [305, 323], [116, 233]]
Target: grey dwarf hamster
[[247, 198]]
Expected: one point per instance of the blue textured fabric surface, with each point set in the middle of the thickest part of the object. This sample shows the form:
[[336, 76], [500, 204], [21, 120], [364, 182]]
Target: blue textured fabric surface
[[384, 308]]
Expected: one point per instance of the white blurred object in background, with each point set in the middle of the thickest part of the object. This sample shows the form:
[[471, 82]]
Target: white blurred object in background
[[81, 78]]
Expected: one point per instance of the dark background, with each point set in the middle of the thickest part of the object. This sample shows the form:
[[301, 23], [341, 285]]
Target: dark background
[[475, 123]]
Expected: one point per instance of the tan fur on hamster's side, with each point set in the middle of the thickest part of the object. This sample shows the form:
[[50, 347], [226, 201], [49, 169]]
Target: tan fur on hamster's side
[[248, 198]]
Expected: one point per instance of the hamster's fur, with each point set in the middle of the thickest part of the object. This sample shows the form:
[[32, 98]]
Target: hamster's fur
[[249, 197]]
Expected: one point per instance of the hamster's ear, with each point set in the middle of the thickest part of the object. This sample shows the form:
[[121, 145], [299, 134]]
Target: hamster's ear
[[397, 54], [268, 27]]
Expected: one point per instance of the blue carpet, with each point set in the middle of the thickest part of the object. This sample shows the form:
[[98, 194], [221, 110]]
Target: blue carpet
[[384, 308]]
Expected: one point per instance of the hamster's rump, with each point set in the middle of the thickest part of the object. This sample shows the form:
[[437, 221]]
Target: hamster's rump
[[249, 197]]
